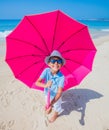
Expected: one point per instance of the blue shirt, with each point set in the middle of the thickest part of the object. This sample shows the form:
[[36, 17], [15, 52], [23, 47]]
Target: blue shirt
[[57, 81]]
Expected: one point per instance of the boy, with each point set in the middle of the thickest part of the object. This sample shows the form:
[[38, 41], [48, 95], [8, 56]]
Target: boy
[[54, 80]]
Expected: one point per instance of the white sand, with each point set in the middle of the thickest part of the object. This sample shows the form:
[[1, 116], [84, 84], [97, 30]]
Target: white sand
[[86, 106]]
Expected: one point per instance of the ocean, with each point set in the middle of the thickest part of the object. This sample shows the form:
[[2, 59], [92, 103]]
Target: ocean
[[96, 27]]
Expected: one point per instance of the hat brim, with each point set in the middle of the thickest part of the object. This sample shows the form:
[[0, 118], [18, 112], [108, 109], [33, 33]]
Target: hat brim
[[48, 57]]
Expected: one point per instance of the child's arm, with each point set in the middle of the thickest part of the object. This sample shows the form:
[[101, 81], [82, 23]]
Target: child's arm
[[44, 85], [58, 95]]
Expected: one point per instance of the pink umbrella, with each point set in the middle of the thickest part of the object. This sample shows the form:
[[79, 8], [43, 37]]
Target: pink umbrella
[[37, 36]]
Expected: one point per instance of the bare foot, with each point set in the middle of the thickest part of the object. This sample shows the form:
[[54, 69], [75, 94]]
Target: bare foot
[[48, 111], [53, 118]]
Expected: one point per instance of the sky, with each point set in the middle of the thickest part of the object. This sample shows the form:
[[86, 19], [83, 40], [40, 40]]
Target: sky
[[79, 9]]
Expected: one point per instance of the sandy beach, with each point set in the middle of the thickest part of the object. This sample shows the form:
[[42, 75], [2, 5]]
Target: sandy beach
[[86, 107]]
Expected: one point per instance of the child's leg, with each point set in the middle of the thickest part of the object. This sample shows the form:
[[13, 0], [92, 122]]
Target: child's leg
[[53, 118], [57, 110]]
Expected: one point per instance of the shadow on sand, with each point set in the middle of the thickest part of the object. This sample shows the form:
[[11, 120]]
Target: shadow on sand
[[76, 99]]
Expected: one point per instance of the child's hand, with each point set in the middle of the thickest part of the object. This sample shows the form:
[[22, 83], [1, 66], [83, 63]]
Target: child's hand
[[48, 109], [48, 84]]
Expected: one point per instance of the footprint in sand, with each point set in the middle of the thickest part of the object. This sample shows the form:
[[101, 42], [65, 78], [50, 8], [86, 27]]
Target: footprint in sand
[[10, 123], [2, 126], [4, 98], [35, 125], [1, 93], [6, 125]]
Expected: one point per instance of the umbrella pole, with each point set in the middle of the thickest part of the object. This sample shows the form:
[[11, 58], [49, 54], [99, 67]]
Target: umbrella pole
[[48, 99]]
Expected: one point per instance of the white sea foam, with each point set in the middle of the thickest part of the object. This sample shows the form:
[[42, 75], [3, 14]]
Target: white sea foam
[[106, 30], [96, 33], [4, 34]]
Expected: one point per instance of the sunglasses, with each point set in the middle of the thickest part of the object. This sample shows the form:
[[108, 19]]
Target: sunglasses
[[59, 61]]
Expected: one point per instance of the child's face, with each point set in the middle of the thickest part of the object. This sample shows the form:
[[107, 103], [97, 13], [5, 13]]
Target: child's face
[[55, 64]]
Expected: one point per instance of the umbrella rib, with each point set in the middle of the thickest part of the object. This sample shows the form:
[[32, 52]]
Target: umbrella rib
[[70, 37], [18, 57], [77, 63], [78, 49], [38, 33], [73, 61], [27, 68], [26, 43], [55, 29], [39, 72]]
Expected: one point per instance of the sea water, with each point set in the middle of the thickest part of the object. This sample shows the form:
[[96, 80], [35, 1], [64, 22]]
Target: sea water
[[95, 27], [6, 26]]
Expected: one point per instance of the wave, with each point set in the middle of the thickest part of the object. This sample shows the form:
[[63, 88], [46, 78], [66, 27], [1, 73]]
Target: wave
[[105, 30], [4, 34]]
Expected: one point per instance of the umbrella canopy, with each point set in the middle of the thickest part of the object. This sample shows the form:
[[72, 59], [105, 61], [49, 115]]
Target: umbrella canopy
[[37, 36]]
